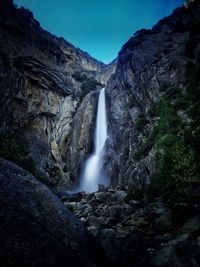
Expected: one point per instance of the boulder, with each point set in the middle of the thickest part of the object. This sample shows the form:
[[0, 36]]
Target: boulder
[[192, 225], [181, 252], [97, 222], [36, 229], [163, 222], [103, 197]]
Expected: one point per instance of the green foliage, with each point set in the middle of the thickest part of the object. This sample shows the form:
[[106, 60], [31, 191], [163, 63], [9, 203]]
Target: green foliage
[[79, 77], [56, 174], [13, 148], [169, 122], [88, 86], [193, 98], [177, 161], [145, 147]]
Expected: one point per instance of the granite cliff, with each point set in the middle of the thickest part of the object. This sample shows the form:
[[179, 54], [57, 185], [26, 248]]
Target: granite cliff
[[150, 66], [48, 100], [44, 81]]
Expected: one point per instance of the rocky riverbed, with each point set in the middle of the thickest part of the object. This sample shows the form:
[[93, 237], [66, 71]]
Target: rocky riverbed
[[137, 232]]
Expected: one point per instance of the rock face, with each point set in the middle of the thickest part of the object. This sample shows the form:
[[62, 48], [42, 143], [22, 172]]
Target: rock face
[[43, 81], [49, 92], [36, 229], [79, 142], [148, 64], [48, 97]]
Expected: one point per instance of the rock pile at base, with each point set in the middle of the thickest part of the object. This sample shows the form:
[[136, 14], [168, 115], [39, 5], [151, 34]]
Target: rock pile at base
[[138, 233]]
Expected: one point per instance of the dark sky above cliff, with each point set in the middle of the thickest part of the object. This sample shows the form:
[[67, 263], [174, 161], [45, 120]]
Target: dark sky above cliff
[[99, 27]]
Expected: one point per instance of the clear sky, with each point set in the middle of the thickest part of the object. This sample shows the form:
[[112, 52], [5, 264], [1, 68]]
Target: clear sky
[[99, 27]]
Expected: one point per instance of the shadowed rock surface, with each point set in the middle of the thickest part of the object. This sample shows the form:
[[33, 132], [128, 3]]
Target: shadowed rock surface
[[36, 229]]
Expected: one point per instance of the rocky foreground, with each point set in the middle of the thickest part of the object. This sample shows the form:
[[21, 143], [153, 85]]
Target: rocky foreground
[[108, 228], [138, 233]]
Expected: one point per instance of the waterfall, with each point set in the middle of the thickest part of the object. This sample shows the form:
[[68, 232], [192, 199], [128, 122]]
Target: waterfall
[[92, 174]]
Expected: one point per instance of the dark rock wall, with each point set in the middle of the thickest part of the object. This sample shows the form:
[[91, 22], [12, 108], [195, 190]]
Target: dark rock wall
[[148, 64]]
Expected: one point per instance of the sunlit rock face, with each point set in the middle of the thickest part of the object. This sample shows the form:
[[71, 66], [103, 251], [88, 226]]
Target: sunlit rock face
[[41, 88], [148, 65]]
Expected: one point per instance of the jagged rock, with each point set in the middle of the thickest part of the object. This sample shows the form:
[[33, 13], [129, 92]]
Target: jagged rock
[[103, 197], [118, 196]]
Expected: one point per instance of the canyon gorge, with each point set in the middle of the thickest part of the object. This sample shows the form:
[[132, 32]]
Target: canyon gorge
[[49, 92]]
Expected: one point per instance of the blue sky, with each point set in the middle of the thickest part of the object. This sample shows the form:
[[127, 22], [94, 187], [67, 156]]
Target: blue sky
[[99, 27]]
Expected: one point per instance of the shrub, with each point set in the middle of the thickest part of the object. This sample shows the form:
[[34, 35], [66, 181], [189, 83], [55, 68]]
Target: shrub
[[88, 86], [80, 77], [145, 147], [14, 149]]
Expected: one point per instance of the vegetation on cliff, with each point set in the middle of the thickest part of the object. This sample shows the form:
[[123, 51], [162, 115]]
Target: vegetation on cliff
[[176, 177], [14, 149]]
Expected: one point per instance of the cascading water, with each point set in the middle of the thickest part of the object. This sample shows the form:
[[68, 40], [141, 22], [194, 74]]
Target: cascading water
[[92, 174]]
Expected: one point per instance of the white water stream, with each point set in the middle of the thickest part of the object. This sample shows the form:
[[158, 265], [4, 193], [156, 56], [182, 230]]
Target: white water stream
[[92, 175]]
